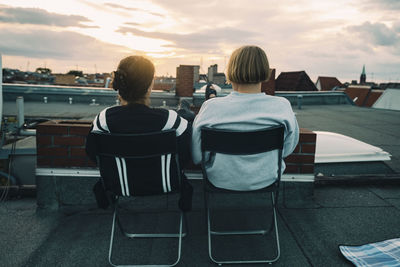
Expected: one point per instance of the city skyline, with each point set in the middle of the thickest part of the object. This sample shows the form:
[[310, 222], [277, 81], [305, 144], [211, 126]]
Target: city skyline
[[324, 39]]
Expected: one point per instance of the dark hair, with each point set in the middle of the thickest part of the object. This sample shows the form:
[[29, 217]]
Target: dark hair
[[133, 78]]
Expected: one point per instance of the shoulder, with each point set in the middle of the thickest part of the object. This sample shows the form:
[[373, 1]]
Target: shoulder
[[100, 121], [174, 121], [277, 100]]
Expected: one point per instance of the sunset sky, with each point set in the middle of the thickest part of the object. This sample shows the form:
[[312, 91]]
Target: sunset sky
[[324, 38]]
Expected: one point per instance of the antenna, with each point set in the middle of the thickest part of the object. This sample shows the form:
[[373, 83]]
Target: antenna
[[201, 64]]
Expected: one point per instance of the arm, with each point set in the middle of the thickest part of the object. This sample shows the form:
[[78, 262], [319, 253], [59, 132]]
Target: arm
[[291, 133], [196, 133], [184, 146], [196, 141]]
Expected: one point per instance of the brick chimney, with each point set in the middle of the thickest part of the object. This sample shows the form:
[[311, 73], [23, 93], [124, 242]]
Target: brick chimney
[[184, 80], [268, 87]]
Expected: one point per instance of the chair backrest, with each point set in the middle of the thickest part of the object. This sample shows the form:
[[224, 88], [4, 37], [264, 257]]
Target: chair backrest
[[242, 143], [138, 164]]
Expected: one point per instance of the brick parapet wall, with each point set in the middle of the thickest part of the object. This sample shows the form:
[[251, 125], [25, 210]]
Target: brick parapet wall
[[61, 144], [303, 157]]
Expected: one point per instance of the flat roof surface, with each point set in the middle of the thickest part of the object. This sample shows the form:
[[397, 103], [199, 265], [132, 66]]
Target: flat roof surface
[[310, 229], [376, 127]]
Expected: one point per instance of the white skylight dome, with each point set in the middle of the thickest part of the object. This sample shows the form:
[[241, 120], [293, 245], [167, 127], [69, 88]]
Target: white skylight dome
[[334, 147]]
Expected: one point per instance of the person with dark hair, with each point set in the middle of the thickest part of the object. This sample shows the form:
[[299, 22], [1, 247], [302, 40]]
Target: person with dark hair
[[210, 91], [246, 108], [134, 80]]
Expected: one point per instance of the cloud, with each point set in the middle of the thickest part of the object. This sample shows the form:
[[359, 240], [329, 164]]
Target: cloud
[[39, 16], [42, 43], [377, 33], [382, 4], [200, 41], [125, 8]]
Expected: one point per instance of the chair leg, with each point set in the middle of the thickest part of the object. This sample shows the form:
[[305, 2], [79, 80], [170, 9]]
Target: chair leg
[[179, 236], [274, 225], [112, 234]]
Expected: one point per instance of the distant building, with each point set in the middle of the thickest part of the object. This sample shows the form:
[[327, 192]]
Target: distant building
[[164, 83], [327, 83], [363, 95], [98, 79], [64, 79], [294, 81], [384, 86], [196, 73], [214, 76], [363, 76], [185, 75]]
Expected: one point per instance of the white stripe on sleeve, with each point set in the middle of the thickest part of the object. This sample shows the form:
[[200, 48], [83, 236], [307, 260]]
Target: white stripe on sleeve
[[182, 127], [103, 121], [172, 115], [95, 128], [163, 173], [120, 176]]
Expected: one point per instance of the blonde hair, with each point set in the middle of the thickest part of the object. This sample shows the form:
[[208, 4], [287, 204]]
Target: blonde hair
[[248, 64]]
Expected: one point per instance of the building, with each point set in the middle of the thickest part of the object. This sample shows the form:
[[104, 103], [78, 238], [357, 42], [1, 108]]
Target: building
[[214, 76], [64, 79], [363, 76], [363, 95], [294, 81], [327, 83], [164, 83]]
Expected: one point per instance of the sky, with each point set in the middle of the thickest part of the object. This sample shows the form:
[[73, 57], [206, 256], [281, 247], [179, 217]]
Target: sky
[[323, 38]]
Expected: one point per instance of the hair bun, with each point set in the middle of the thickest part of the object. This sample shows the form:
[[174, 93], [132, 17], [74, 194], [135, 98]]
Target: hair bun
[[120, 80]]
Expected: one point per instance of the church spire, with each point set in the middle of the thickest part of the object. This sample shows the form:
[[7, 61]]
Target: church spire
[[363, 76]]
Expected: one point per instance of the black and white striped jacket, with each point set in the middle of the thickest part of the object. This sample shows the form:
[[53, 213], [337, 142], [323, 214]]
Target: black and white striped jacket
[[150, 177]]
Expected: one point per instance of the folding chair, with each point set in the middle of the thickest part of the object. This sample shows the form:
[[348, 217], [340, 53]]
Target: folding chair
[[242, 143], [134, 165]]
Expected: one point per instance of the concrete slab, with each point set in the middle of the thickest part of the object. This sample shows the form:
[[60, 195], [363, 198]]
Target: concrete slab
[[321, 231], [22, 230], [347, 196], [310, 231]]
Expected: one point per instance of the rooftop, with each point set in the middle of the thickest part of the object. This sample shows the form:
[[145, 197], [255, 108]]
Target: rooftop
[[311, 226], [310, 229]]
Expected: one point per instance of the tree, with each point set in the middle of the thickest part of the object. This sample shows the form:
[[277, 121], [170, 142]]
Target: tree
[[43, 70], [76, 73]]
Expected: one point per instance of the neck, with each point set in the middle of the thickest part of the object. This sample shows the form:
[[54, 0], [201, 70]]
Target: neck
[[247, 88], [143, 101]]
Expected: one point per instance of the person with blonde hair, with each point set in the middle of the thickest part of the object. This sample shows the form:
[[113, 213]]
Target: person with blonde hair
[[246, 108], [134, 80]]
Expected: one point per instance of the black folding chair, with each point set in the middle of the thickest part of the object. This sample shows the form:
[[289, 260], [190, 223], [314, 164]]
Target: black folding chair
[[242, 143], [134, 165]]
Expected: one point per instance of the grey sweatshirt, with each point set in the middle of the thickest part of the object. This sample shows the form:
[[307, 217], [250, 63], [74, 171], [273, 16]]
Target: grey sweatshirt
[[239, 111]]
